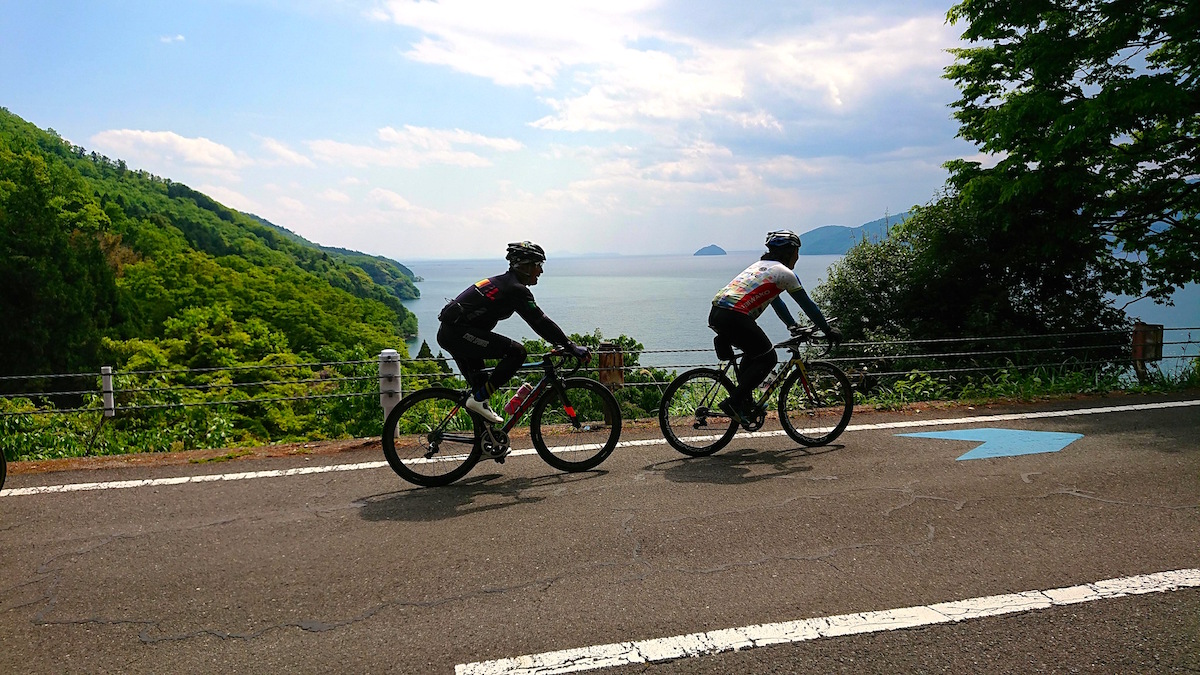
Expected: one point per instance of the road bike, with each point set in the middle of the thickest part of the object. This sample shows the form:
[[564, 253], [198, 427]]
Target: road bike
[[431, 439], [815, 400]]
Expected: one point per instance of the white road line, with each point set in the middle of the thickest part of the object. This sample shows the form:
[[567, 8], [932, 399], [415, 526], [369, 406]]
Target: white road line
[[181, 480], [713, 642]]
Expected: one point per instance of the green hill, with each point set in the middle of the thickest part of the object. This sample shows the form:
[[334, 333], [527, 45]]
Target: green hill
[[384, 271], [838, 239], [103, 264]]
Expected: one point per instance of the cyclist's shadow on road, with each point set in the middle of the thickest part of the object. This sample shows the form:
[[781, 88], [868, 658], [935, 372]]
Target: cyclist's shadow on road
[[470, 495], [740, 466]]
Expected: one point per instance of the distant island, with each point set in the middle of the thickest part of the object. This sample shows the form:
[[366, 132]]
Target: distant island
[[711, 249]]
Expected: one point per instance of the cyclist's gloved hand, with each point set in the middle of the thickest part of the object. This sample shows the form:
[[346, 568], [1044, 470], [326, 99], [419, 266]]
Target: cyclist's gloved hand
[[578, 351], [833, 335]]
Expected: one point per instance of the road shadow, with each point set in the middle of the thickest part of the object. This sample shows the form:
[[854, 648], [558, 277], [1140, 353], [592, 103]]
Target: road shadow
[[470, 495], [740, 466]]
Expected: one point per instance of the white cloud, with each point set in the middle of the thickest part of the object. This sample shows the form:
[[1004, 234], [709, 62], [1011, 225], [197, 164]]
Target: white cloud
[[283, 155], [157, 147], [846, 61], [169, 39], [412, 147], [518, 42], [291, 206], [231, 198], [335, 196], [607, 66]]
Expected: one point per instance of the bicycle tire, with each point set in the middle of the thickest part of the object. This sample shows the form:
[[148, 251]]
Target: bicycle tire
[[690, 404], [816, 414], [3, 468], [582, 443], [416, 429]]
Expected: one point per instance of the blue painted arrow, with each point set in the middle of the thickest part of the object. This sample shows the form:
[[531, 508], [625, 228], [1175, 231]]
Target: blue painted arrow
[[1005, 442]]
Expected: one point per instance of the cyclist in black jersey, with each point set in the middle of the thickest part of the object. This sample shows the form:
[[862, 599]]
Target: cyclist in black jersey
[[467, 324]]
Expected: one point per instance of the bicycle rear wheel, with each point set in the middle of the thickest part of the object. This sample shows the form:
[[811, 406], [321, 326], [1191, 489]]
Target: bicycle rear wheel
[[429, 439], [815, 403], [689, 417], [580, 432]]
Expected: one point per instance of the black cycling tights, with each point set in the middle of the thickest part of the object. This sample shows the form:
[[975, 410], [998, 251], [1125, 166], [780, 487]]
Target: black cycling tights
[[470, 346], [744, 333]]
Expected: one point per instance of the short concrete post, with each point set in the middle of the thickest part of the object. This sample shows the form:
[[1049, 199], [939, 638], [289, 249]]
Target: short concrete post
[[106, 391], [389, 380]]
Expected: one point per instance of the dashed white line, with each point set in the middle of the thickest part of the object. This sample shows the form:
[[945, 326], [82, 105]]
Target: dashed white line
[[713, 642], [181, 480]]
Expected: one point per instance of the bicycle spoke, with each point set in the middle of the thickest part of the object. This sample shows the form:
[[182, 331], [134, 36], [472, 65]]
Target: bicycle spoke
[[429, 439], [815, 404], [579, 432], [689, 417]]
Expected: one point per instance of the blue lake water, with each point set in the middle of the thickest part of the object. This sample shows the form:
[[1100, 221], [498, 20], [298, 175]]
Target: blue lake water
[[661, 301]]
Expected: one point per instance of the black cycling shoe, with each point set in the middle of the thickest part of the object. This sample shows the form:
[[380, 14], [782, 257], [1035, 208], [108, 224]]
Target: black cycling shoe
[[727, 406]]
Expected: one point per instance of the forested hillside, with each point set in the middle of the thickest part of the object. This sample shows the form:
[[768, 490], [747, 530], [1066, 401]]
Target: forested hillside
[[101, 264]]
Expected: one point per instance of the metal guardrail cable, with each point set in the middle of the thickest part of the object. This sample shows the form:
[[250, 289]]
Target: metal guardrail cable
[[7, 378], [998, 352], [197, 404], [239, 385], [277, 366], [858, 365], [51, 411], [41, 394], [1038, 336]]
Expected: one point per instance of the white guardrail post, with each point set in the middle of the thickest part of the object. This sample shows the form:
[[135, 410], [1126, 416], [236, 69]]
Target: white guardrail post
[[389, 380], [106, 391]]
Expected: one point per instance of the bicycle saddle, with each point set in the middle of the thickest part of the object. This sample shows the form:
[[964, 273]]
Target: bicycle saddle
[[724, 348]]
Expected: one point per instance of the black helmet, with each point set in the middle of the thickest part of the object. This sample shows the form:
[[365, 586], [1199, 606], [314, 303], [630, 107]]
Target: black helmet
[[782, 239], [525, 252]]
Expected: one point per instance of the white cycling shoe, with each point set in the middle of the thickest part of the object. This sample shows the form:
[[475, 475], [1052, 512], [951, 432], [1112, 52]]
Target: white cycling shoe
[[482, 409]]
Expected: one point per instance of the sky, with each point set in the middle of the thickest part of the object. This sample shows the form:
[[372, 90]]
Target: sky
[[441, 129]]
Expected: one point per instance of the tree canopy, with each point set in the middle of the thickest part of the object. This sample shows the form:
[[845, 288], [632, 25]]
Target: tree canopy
[[1092, 109], [1089, 112]]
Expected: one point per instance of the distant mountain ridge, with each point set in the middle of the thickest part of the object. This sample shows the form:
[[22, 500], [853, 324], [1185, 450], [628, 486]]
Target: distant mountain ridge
[[839, 239]]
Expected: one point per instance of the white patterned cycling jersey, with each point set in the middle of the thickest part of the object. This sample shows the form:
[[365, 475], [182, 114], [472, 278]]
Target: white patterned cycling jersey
[[757, 285]]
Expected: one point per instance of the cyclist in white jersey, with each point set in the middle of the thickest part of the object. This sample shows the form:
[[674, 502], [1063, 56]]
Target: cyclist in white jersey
[[736, 308]]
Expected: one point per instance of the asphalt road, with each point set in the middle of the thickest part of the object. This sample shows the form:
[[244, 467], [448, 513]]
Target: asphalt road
[[353, 570]]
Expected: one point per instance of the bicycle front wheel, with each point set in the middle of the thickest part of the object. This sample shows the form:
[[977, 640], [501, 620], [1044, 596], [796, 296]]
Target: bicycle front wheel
[[577, 433], [429, 439], [689, 417], [815, 403]]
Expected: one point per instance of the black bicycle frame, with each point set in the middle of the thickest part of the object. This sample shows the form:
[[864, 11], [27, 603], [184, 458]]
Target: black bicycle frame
[[549, 379]]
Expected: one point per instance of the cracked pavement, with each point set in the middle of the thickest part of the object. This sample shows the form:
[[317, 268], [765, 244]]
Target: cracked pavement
[[359, 571]]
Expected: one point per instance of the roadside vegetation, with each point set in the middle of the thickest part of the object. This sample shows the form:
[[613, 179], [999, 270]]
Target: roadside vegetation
[[231, 331]]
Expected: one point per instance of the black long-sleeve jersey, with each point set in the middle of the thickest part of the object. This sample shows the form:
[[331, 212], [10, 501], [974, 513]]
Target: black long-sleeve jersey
[[494, 299]]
